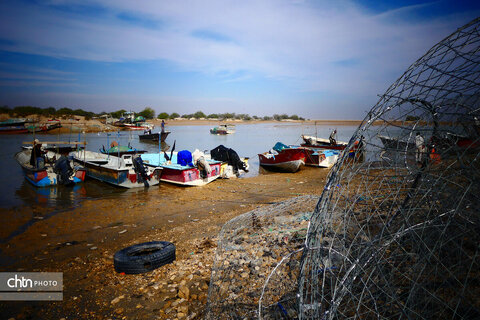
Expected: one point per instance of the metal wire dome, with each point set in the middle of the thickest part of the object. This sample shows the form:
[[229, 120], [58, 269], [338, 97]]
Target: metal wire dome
[[396, 232]]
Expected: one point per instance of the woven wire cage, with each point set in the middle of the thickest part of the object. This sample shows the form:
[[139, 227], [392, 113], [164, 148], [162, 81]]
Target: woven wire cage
[[396, 232]]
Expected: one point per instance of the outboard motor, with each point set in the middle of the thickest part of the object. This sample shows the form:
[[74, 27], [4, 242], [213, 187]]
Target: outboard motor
[[64, 170], [139, 168]]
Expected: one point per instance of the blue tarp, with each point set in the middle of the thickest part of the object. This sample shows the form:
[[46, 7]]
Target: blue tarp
[[280, 146], [184, 158]]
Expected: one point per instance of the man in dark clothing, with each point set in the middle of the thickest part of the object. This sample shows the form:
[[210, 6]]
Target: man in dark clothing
[[37, 159]]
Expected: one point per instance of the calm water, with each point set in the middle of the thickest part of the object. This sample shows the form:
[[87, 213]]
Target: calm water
[[248, 141]]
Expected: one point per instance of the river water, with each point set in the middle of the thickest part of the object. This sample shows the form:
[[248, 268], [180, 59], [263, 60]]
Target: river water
[[248, 141]]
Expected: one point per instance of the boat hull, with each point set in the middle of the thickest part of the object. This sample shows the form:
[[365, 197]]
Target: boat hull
[[287, 160], [112, 170], [181, 175], [321, 158], [154, 137], [44, 177]]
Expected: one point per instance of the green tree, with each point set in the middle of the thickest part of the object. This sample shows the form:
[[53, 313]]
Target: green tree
[[212, 116], [294, 117], [147, 113], [163, 115], [199, 114], [174, 115]]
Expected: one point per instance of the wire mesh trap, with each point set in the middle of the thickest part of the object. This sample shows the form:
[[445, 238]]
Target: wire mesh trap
[[396, 231], [399, 232]]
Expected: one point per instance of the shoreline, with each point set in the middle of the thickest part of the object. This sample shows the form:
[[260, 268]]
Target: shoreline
[[81, 242]]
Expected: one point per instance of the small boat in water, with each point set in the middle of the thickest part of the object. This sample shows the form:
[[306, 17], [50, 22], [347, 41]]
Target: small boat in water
[[283, 158], [54, 169], [127, 171], [223, 129], [154, 137], [320, 143], [13, 126], [177, 169], [117, 150]]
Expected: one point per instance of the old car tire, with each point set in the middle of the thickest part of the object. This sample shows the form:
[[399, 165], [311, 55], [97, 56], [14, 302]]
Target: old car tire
[[144, 257]]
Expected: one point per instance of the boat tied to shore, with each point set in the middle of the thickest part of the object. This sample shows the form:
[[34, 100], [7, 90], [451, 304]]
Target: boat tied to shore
[[148, 136], [283, 158], [44, 168], [184, 168], [127, 171], [232, 165]]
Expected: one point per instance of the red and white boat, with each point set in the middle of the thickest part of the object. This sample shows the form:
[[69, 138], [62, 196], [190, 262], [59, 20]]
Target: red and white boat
[[182, 174], [320, 143], [283, 158]]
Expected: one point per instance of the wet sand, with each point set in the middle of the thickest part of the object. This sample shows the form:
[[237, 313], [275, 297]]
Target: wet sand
[[81, 242]]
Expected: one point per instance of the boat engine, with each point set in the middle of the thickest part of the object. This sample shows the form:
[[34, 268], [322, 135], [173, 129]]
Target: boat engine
[[141, 170], [64, 170]]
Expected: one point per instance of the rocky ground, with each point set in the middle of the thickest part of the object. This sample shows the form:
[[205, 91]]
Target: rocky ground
[[81, 242]]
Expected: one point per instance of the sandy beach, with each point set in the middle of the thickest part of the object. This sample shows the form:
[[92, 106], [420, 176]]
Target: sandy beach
[[81, 242]]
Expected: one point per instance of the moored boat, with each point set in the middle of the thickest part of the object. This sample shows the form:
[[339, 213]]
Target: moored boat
[[126, 171], [154, 137], [320, 143], [177, 171], [223, 129], [57, 169], [117, 150], [283, 158], [323, 158], [13, 126]]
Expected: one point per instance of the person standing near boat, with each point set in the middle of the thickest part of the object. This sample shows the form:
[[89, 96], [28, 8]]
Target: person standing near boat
[[420, 147], [37, 158], [163, 126], [333, 137]]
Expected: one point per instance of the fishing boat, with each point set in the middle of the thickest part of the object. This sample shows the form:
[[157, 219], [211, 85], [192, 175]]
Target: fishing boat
[[283, 158], [126, 171], [118, 151], [176, 171], [44, 127], [396, 143], [320, 143], [13, 126], [56, 169], [323, 158], [223, 129], [154, 137]]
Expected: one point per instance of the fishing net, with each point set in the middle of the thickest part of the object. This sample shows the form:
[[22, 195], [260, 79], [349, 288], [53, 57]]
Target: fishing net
[[249, 248], [397, 235], [396, 231]]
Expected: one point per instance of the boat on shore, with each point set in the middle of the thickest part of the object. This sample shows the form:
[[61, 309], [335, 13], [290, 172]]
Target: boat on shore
[[13, 126], [323, 158], [283, 158], [396, 143], [44, 127], [180, 172], [56, 169], [154, 137], [126, 171], [223, 129]]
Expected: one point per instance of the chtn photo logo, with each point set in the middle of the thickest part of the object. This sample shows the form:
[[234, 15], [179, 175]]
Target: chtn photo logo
[[22, 282]]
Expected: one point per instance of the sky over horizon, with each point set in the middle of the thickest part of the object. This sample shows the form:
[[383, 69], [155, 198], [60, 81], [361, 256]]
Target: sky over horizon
[[316, 59]]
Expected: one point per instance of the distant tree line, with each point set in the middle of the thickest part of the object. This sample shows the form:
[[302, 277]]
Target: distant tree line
[[147, 113]]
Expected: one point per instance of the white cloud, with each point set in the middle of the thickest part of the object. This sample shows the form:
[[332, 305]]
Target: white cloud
[[294, 41]]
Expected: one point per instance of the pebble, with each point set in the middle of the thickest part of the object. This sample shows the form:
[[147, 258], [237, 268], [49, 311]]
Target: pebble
[[123, 231], [117, 299]]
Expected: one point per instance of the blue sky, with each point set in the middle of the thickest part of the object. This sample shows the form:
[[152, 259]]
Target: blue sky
[[317, 59]]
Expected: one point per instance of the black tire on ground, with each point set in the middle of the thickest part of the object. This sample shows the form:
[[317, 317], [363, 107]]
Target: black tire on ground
[[144, 257]]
